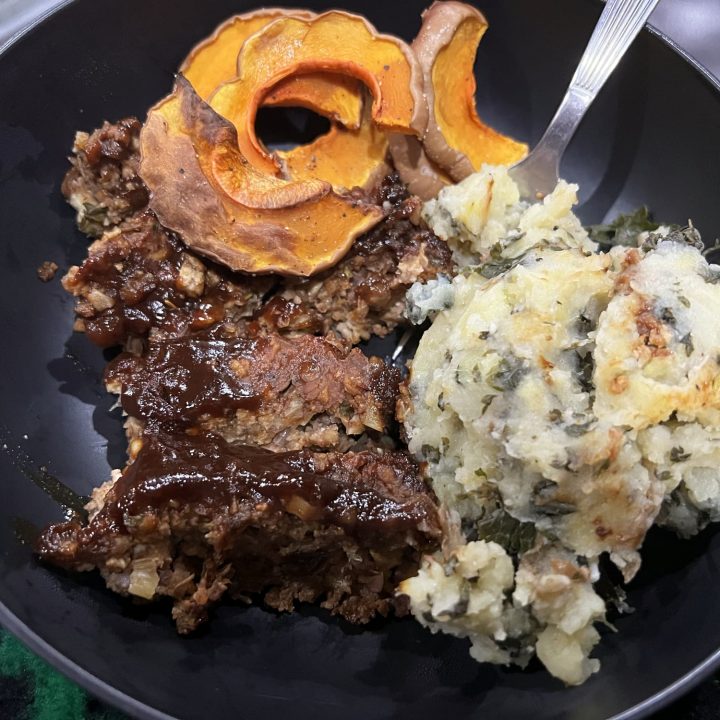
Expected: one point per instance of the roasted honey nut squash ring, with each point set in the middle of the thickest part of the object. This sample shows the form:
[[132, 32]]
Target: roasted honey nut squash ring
[[205, 189], [456, 139], [214, 61], [348, 155], [332, 42]]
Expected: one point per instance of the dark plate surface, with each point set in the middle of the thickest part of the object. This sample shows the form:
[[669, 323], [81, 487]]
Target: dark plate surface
[[653, 137]]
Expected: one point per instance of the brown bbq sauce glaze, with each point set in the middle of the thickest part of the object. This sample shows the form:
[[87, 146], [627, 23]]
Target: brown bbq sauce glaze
[[207, 471], [398, 233], [279, 314], [178, 381], [142, 277], [113, 142]]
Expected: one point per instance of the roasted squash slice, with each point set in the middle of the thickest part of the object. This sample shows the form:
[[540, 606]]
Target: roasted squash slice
[[215, 61], [332, 42], [456, 139], [348, 155], [204, 188]]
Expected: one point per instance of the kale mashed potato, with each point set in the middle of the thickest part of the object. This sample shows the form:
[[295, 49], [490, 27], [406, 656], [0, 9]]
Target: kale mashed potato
[[564, 400]]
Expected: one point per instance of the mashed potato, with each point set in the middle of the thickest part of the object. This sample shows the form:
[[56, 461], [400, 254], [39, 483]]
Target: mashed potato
[[564, 400]]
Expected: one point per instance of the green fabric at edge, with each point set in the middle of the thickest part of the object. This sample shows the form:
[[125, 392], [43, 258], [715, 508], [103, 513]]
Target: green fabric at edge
[[51, 696]]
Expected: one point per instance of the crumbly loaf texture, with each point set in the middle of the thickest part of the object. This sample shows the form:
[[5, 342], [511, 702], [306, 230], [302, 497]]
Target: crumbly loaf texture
[[103, 183], [141, 288], [237, 363], [281, 393], [564, 400], [338, 528]]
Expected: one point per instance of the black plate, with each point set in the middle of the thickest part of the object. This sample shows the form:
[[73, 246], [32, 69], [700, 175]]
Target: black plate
[[653, 137]]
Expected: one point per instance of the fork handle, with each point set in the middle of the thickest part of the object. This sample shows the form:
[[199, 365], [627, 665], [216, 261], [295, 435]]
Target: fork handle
[[619, 24]]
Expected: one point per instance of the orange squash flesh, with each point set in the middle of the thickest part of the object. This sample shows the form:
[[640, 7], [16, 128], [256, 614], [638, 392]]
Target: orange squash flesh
[[215, 61], [332, 42], [207, 191], [345, 158], [456, 138], [459, 122], [334, 96]]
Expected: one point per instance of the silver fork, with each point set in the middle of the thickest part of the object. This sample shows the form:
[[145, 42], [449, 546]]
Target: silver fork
[[619, 24], [538, 174]]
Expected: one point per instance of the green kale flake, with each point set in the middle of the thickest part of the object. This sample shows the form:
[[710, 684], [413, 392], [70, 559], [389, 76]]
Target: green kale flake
[[688, 235], [497, 525], [586, 368], [667, 316], [430, 453], [460, 608], [93, 219], [678, 454], [508, 374], [544, 502], [499, 266], [687, 341], [556, 508], [624, 229], [579, 429], [486, 400], [584, 324]]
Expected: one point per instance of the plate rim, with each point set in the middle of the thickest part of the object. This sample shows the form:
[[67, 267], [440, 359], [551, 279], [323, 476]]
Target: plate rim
[[140, 710]]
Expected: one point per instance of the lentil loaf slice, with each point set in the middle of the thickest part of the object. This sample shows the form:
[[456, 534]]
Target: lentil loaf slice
[[194, 519], [267, 390], [364, 294]]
